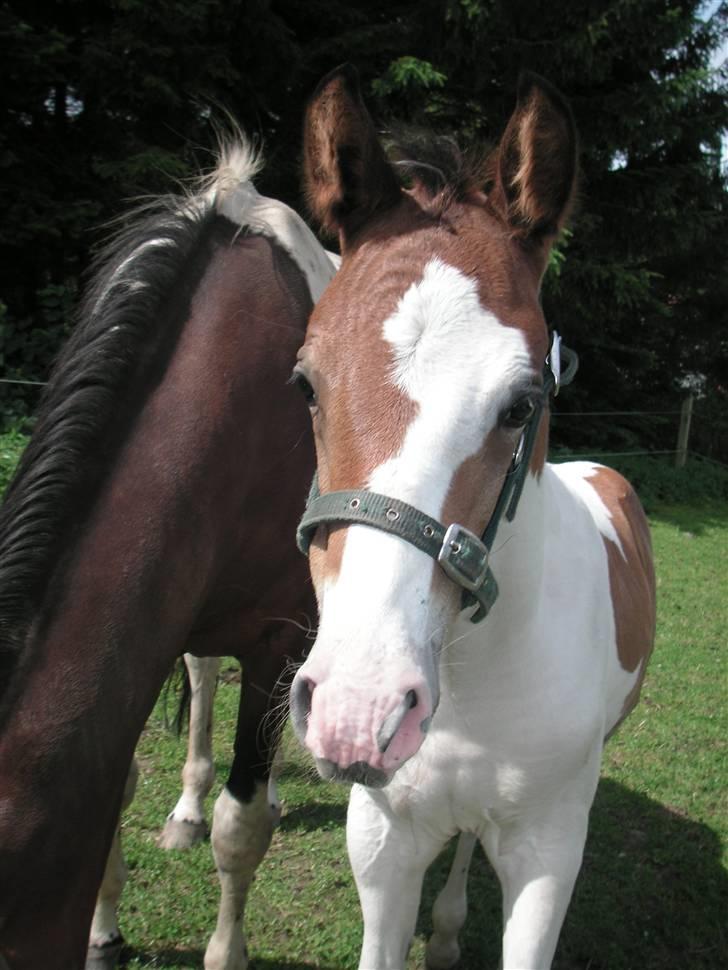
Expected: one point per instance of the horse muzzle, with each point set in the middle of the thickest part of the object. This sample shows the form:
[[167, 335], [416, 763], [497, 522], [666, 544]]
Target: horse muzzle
[[357, 732]]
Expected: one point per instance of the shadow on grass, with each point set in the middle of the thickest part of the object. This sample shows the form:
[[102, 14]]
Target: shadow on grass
[[167, 957], [692, 519], [276, 965], [194, 958], [312, 816], [651, 894]]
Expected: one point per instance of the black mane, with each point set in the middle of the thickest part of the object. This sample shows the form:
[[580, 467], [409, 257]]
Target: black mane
[[77, 431]]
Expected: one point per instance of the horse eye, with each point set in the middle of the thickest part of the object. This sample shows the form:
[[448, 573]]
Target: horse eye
[[520, 412], [305, 387]]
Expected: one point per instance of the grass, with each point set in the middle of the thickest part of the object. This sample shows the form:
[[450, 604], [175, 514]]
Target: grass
[[653, 889]]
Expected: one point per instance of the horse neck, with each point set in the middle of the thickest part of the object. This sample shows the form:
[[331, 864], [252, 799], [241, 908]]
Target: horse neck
[[519, 562]]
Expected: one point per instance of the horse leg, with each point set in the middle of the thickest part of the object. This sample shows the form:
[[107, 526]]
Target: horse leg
[[537, 857], [389, 857], [185, 825], [246, 812], [105, 939], [450, 909]]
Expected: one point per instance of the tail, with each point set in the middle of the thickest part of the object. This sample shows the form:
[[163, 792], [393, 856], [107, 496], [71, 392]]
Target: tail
[[178, 685]]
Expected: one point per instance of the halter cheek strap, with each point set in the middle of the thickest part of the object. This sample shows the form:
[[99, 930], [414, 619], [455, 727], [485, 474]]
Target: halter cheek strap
[[460, 553]]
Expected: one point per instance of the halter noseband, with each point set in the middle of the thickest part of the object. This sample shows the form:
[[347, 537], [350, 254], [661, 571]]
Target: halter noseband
[[460, 553]]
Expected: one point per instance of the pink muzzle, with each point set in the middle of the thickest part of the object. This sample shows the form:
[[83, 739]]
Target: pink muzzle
[[346, 725]]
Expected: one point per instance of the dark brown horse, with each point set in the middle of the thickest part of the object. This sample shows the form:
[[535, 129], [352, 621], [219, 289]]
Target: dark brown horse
[[153, 512]]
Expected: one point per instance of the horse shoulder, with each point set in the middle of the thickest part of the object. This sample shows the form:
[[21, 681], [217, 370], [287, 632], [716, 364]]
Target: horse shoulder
[[624, 533]]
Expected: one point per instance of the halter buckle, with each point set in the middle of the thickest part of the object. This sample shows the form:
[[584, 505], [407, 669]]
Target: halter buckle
[[463, 557]]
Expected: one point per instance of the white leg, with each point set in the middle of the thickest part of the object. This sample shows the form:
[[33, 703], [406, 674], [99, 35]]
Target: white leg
[[450, 909], [105, 937], [537, 858], [185, 825], [389, 856], [241, 834]]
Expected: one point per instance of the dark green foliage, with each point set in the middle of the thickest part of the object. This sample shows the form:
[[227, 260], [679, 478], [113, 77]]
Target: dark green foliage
[[657, 481], [104, 101]]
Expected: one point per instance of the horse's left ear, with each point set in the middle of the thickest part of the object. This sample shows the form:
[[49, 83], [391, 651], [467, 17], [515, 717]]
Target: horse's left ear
[[535, 171], [346, 173]]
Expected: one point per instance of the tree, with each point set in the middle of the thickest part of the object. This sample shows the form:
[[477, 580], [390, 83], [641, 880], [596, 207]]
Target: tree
[[103, 101]]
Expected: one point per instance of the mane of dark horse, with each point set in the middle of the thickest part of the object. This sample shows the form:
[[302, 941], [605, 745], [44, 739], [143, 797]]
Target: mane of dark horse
[[125, 334]]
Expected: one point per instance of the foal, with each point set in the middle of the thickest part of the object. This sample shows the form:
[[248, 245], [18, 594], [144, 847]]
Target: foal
[[465, 684]]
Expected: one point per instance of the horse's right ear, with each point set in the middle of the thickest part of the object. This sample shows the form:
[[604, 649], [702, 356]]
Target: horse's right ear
[[346, 174]]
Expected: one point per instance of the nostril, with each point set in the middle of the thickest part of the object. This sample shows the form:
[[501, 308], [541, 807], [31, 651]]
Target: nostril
[[301, 693], [393, 721]]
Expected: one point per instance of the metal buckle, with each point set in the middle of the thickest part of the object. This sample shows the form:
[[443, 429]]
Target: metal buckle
[[554, 361], [464, 557]]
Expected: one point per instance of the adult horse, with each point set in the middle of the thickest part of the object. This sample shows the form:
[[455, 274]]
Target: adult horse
[[150, 514], [466, 683]]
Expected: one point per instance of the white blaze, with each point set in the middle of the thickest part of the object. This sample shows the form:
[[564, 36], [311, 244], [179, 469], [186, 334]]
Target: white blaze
[[458, 363]]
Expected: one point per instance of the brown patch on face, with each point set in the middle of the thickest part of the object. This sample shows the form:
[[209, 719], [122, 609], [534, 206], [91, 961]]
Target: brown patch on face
[[476, 484], [631, 577]]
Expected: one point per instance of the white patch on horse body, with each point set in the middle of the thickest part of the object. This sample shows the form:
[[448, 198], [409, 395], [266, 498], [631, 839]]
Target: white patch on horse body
[[528, 695], [577, 474], [246, 207], [619, 682]]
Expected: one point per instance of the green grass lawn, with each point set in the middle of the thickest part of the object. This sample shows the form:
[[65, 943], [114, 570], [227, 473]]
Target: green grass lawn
[[653, 892]]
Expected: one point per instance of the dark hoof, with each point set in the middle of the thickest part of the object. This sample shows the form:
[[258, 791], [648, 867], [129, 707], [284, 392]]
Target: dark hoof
[[182, 835], [104, 957]]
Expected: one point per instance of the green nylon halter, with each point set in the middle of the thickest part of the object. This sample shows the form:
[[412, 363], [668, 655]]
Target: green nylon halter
[[460, 553]]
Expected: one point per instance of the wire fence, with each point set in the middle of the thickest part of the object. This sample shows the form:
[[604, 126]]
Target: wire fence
[[680, 450]]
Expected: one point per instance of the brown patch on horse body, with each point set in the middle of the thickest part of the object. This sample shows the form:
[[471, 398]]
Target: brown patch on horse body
[[631, 576]]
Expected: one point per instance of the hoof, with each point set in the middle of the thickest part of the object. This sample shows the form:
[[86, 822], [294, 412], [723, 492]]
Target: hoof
[[104, 957], [220, 956], [441, 954], [182, 835], [276, 813]]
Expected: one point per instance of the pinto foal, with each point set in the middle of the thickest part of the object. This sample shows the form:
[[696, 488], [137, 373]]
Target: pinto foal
[[426, 367]]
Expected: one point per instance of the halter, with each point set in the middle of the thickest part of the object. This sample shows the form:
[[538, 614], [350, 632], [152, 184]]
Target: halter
[[460, 553]]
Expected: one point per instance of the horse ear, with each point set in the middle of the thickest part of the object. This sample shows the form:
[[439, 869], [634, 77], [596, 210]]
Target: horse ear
[[346, 174], [535, 169]]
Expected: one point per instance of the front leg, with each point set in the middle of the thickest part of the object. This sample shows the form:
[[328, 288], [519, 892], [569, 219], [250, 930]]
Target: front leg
[[389, 856], [241, 834], [537, 857], [245, 814], [105, 939]]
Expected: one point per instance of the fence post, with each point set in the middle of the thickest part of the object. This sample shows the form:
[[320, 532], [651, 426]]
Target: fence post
[[683, 432]]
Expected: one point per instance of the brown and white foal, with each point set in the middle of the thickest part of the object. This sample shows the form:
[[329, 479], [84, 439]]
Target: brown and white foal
[[423, 364]]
